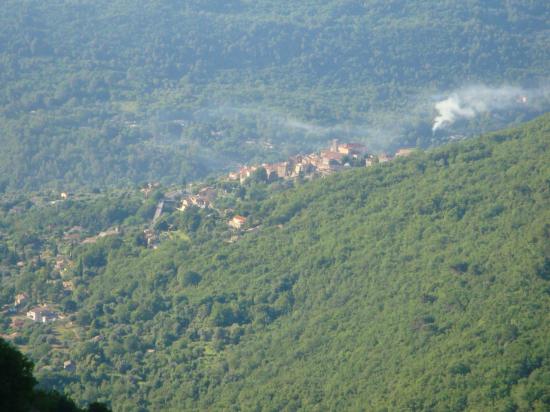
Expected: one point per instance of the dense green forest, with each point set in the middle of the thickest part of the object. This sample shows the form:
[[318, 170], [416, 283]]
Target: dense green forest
[[102, 92], [419, 284]]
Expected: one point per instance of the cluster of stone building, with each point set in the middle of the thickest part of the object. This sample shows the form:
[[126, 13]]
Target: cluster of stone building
[[328, 160], [325, 162]]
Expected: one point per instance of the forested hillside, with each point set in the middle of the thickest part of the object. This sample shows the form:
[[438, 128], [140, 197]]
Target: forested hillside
[[420, 284], [96, 92]]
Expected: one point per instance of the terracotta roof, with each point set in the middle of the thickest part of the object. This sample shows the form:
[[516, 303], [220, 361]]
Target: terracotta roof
[[333, 156]]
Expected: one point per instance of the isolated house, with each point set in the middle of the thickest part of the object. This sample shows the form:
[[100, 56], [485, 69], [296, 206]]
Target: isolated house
[[41, 314], [237, 222]]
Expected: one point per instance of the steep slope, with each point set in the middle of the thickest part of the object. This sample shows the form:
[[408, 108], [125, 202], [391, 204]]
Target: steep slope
[[422, 284], [419, 284]]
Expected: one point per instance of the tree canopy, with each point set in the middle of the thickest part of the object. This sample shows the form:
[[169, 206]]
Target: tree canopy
[[123, 92], [418, 284]]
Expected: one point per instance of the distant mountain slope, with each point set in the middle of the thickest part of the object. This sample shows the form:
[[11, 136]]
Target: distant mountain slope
[[422, 284], [95, 92]]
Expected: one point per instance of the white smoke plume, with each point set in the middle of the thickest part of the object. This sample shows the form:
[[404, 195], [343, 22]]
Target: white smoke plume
[[472, 101]]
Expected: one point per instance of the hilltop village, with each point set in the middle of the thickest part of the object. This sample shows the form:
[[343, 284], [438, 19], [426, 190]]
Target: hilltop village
[[218, 200], [332, 159], [337, 157]]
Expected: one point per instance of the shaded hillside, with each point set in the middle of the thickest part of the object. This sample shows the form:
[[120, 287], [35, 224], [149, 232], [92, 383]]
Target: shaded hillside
[[126, 91], [18, 392], [422, 284]]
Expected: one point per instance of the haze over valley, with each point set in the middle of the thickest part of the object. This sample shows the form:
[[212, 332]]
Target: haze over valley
[[241, 205]]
